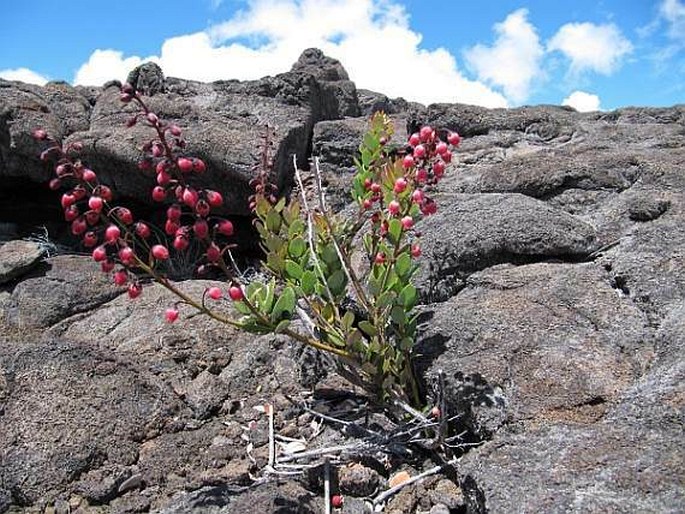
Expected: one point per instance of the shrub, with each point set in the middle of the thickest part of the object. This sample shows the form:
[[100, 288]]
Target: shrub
[[313, 293]]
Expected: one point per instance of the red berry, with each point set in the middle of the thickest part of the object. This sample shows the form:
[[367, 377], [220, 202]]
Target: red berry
[[171, 315], [99, 254], [202, 208], [415, 251], [367, 204], [235, 293], [400, 185], [161, 167], [68, 200], [420, 152], [92, 217], [199, 165], [435, 412], [95, 203], [213, 253], [157, 150], [367, 183], [375, 188], [441, 147], [127, 256], [214, 198], [421, 176], [214, 293], [79, 226], [408, 161], [55, 184], [89, 175], [142, 230], [447, 156], [414, 139], [71, 213], [225, 227], [163, 178], [134, 290], [201, 229], [439, 168], [112, 233], [152, 118], [407, 222], [174, 212], [454, 139], [189, 197], [124, 215], [160, 252], [120, 277], [379, 258], [336, 501], [170, 227], [394, 208], [90, 239], [105, 193], [180, 243], [175, 130], [426, 134], [417, 196], [158, 194], [184, 164]]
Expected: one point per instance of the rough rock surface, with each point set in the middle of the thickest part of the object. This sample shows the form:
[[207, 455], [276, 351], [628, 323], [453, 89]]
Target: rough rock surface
[[553, 287], [18, 257]]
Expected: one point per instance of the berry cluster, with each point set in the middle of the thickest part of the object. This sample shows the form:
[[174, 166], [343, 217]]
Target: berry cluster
[[400, 193], [119, 243]]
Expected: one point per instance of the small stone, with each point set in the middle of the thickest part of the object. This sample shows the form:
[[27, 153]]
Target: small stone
[[439, 508], [355, 506], [17, 257], [133, 482], [358, 480], [398, 478], [447, 493]]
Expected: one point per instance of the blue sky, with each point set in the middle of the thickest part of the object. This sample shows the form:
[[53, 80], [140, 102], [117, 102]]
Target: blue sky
[[590, 54]]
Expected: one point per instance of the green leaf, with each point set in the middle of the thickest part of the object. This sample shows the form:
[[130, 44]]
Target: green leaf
[[272, 242], [255, 327], [329, 255], [347, 321], [368, 328], [403, 265], [386, 299], [282, 325], [398, 315], [273, 222], [406, 344], [268, 294], [285, 305], [408, 297], [394, 230], [242, 307], [296, 228], [308, 282], [337, 283], [293, 270], [274, 262], [297, 247], [279, 206]]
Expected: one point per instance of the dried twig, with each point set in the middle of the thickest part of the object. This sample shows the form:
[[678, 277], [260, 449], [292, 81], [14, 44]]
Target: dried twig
[[437, 469]]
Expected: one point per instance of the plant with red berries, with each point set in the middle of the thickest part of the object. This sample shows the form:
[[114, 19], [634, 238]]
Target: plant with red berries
[[314, 294]]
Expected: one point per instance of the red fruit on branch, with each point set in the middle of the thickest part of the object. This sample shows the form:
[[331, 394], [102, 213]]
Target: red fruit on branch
[[454, 139], [160, 252], [214, 293], [171, 315], [158, 194], [143, 230], [134, 290], [225, 228], [99, 254], [235, 293], [112, 234], [184, 164]]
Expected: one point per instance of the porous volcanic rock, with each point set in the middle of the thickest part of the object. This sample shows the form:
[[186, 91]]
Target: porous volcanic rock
[[552, 281], [17, 257]]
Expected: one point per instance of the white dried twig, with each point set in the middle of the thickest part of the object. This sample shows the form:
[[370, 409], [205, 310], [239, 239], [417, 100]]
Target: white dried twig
[[437, 469]]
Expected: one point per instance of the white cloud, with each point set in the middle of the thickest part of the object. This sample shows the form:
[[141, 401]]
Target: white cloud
[[371, 38], [513, 61], [582, 101], [24, 75], [673, 12], [599, 48], [105, 65]]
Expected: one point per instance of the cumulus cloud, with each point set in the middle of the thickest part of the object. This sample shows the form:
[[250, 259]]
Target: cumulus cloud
[[371, 38], [513, 61], [591, 47], [582, 101], [24, 75], [673, 13]]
